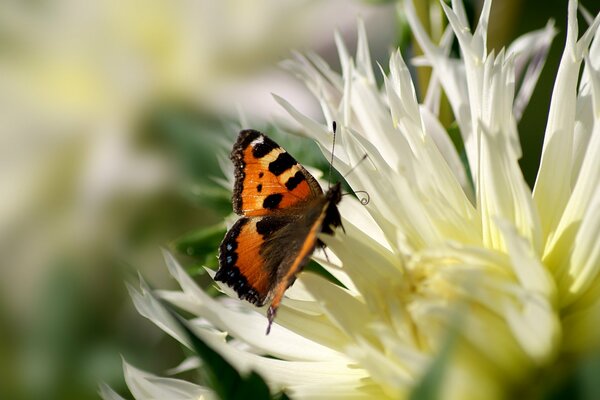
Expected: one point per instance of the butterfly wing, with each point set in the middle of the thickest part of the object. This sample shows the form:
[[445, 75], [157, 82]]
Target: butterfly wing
[[283, 209], [257, 252], [268, 178], [261, 256]]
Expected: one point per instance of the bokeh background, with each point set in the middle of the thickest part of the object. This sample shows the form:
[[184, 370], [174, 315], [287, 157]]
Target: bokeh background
[[114, 117]]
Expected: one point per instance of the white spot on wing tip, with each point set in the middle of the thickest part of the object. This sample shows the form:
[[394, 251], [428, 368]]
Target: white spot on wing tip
[[258, 140]]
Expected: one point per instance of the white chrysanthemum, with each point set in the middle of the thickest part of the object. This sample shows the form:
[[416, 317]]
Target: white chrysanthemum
[[493, 263]]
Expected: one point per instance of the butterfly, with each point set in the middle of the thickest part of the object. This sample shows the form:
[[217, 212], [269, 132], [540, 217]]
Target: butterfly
[[283, 209]]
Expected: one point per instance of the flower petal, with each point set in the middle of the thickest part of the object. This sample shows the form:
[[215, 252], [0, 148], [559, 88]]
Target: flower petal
[[554, 181], [146, 386], [530, 51], [107, 393], [244, 323], [504, 193]]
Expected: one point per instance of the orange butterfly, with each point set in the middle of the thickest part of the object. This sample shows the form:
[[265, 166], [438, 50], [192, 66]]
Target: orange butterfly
[[283, 209]]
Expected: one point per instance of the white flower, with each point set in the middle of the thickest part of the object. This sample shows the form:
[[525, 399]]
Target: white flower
[[512, 274]]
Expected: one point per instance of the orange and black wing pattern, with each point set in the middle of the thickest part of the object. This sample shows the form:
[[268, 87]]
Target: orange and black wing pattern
[[283, 210], [267, 178], [245, 264]]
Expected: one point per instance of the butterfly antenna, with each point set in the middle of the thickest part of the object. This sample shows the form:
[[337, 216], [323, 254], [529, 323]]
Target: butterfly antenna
[[332, 152], [356, 165], [366, 198], [363, 200]]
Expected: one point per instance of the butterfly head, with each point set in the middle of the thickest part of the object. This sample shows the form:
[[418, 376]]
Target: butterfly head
[[332, 215], [334, 193]]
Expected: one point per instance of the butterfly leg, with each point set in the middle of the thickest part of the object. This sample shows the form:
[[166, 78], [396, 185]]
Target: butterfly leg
[[271, 312]]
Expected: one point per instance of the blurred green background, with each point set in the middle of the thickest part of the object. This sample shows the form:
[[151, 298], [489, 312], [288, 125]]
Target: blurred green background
[[115, 116]]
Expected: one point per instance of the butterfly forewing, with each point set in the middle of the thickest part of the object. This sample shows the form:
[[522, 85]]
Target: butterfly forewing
[[267, 178]]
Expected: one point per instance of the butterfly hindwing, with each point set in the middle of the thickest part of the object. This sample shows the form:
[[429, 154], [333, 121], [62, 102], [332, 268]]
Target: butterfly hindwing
[[267, 178], [258, 252], [241, 265]]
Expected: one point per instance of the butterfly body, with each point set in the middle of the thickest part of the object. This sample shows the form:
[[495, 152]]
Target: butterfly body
[[283, 210]]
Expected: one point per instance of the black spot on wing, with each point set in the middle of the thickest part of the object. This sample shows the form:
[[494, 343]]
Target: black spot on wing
[[267, 226], [238, 282], [259, 188], [262, 149], [283, 162], [261, 174], [295, 180], [272, 200]]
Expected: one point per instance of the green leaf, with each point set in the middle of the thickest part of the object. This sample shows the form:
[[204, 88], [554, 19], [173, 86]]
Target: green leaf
[[316, 268], [577, 381], [201, 242], [210, 195]]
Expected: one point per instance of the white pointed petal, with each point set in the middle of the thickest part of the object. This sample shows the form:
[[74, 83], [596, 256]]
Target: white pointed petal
[[504, 193], [286, 373], [392, 377], [458, 8], [318, 132], [321, 81], [358, 215], [246, 324], [393, 196], [575, 269], [588, 108], [107, 393], [152, 309], [434, 93], [436, 131], [401, 90], [450, 73], [373, 122], [434, 318], [324, 68], [553, 183], [333, 265], [312, 127], [585, 258], [453, 75], [146, 386], [188, 364], [363, 56], [364, 389], [315, 327], [405, 353], [589, 18], [355, 251], [530, 51], [529, 316], [584, 42], [346, 105], [463, 34], [527, 266], [536, 326], [348, 313], [343, 54], [593, 60], [479, 41]]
